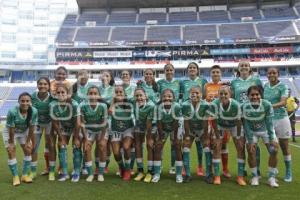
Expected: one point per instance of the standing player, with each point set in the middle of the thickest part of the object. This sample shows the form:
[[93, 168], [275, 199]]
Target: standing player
[[168, 116], [144, 111], [41, 101], [94, 122], [239, 87], [20, 125], [65, 121], [60, 78], [169, 82], [292, 105], [186, 85], [121, 134], [195, 116], [227, 120], [277, 93], [257, 118]]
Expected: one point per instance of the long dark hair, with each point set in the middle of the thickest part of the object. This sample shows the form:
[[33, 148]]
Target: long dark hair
[[125, 100], [112, 80], [29, 111], [154, 84], [46, 79], [75, 85], [258, 88], [197, 66], [100, 100]]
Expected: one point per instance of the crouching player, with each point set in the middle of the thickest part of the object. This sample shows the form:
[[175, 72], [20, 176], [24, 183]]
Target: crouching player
[[257, 116], [195, 126], [65, 122], [227, 119], [94, 122], [20, 125]]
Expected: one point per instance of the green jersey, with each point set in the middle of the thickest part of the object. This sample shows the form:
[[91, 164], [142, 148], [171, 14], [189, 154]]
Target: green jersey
[[16, 120], [195, 115], [151, 94], [66, 115], [274, 95], [174, 85], [94, 118], [82, 93], [107, 93], [226, 117], [122, 118], [258, 119], [144, 113], [129, 91], [239, 87], [42, 107], [168, 117], [187, 84]]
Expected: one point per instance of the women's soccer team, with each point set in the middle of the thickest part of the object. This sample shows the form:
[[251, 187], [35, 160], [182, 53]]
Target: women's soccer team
[[120, 119]]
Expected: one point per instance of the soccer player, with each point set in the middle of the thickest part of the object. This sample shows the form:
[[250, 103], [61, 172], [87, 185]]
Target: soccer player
[[186, 85], [149, 85], [20, 126], [227, 119], [122, 123], [239, 87], [41, 101], [65, 122], [94, 124], [277, 93], [195, 116], [144, 111], [258, 123], [60, 76], [168, 115], [169, 82], [292, 105]]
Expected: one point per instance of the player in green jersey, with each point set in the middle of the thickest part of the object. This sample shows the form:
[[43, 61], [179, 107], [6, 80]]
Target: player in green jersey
[[20, 126], [41, 101], [239, 87], [194, 80], [168, 115], [94, 125], [227, 119], [121, 134], [169, 82], [195, 116], [277, 93], [258, 123], [65, 122], [149, 85], [144, 114]]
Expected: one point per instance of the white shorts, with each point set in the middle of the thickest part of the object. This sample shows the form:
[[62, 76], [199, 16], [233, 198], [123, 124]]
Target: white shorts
[[283, 128], [116, 136], [263, 135], [46, 128], [20, 137], [95, 136], [138, 130]]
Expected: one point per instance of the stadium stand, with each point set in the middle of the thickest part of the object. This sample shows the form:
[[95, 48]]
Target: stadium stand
[[65, 34], [280, 12], [182, 17], [200, 32], [118, 18], [95, 34], [99, 18], [214, 16], [70, 20], [279, 28], [163, 33], [16, 91], [128, 33], [6, 106], [161, 18], [240, 13], [237, 31]]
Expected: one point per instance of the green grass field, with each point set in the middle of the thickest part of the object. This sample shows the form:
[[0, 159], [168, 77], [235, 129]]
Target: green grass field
[[115, 188]]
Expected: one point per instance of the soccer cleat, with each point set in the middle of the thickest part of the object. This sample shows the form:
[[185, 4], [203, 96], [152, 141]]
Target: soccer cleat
[[217, 180], [63, 177], [100, 178], [139, 177], [241, 181], [200, 171], [16, 181], [84, 171], [209, 179], [26, 179], [51, 176], [179, 179], [155, 178], [90, 178], [255, 181], [272, 182], [226, 174], [45, 172], [126, 175], [187, 179], [75, 178], [132, 172], [172, 171], [148, 178], [106, 170], [288, 178], [33, 175]]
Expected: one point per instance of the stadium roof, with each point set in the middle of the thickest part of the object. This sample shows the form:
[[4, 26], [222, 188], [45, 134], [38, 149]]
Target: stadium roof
[[107, 4]]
